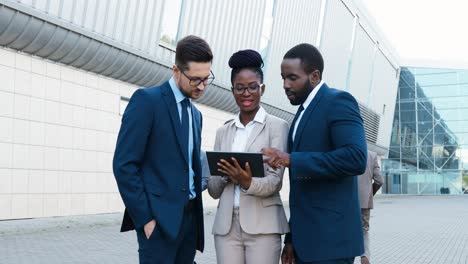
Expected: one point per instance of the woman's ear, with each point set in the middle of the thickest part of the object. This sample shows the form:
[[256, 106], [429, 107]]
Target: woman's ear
[[262, 89]]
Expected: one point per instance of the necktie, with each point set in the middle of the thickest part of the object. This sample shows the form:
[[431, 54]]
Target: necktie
[[185, 125], [293, 124]]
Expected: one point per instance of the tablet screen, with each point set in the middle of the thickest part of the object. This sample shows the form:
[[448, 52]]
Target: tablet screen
[[255, 161]]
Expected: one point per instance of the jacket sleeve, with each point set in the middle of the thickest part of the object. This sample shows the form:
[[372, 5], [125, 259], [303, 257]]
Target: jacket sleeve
[[216, 184], [349, 154], [272, 182], [129, 154]]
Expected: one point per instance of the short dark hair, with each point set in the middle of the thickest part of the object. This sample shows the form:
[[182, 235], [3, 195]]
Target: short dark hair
[[246, 59], [192, 49], [310, 57]]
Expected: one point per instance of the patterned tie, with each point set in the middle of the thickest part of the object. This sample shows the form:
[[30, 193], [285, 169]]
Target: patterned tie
[[185, 125], [291, 130]]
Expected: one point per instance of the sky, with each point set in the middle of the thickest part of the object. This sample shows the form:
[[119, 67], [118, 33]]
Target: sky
[[424, 29]]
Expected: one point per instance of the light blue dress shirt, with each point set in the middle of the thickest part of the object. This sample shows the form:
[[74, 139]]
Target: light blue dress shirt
[[179, 97]]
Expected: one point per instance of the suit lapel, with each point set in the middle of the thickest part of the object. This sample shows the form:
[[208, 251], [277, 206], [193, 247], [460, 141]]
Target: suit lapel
[[171, 104], [307, 113], [230, 133], [258, 127]]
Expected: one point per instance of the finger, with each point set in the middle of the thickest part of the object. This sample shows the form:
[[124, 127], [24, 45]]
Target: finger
[[277, 164], [236, 164], [226, 166], [265, 151], [223, 171], [248, 169], [225, 163], [268, 151]]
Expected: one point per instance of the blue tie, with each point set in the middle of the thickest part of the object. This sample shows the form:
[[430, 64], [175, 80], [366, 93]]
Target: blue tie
[[185, 125], [291, 130]]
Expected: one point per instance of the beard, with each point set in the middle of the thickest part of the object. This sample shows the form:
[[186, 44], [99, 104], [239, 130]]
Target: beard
[[298, 97]]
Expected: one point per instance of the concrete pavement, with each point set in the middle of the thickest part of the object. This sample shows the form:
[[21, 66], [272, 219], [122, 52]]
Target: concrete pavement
[[404, 230]]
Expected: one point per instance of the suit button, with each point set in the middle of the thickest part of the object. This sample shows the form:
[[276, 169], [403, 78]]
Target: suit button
[[183, 190]]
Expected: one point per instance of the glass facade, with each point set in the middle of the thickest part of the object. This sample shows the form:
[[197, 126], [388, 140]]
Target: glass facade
[[429, 144]]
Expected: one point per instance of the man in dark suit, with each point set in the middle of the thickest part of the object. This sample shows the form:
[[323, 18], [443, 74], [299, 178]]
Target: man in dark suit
[[327, 149], [157, 160]]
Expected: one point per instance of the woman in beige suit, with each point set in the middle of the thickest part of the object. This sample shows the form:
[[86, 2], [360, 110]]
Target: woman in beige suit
[[250, 217]]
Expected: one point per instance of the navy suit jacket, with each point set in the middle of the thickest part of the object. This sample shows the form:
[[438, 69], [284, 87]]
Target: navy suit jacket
[[150, 167], [329, 150]]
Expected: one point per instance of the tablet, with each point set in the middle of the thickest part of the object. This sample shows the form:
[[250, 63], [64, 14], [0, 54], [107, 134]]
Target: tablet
[[255, 161]]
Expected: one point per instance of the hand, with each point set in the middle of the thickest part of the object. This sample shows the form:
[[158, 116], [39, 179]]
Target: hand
[[287, 257], [277, 158], [236, 173], [375, 188], [149, 228]]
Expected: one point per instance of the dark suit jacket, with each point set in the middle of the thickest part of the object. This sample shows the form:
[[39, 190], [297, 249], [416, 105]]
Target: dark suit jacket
[[150, 168], [329, 150]]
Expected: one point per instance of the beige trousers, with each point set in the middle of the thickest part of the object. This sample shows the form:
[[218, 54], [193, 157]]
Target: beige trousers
[[238, 247], [365, 213]]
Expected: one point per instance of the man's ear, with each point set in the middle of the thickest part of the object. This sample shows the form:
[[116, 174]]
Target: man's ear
[[315, 77], [176, 72]]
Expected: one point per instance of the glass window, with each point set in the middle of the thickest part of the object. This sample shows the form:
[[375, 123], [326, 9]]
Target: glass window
[[170, 22]]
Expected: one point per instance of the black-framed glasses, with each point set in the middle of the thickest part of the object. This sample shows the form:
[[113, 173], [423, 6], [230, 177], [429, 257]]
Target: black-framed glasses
[[251, 89], [195, 81]]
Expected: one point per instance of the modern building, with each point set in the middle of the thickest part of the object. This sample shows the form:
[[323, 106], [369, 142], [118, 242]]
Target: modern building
[[429, 143], [68, 67]]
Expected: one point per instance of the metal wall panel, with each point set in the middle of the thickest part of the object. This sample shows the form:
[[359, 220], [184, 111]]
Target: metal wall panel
[[228, 26], [336, 43], [361, 65], [383, 92], [294, 22], [131, 22]]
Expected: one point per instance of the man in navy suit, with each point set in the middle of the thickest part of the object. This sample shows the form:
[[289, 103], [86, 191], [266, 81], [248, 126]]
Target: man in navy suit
[[327, 149], [157, 160]]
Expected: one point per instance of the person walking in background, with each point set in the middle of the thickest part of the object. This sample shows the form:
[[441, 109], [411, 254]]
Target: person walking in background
[[157, 160], [326, 151], [368, 184], [250, 217]]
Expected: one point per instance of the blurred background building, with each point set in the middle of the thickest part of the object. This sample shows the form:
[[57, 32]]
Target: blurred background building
[[429, 143], [68, 68]]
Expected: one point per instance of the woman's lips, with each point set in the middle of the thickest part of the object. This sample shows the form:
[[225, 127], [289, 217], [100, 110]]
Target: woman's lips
[[246, 103]]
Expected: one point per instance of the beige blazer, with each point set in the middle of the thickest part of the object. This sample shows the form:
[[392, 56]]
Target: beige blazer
[[365, 181], [260, 208]]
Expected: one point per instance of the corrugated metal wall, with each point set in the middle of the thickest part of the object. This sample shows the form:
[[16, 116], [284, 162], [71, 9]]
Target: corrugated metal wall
[[134, 23], [384, 93], [362, 62], [228, 26], [294, 22], [336, 43]]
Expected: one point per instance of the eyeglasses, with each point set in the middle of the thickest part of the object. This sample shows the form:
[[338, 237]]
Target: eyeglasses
[[194, 81], [238, 90]]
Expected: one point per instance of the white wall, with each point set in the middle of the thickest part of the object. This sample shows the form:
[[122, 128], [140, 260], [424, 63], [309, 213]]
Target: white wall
[[59, 126]]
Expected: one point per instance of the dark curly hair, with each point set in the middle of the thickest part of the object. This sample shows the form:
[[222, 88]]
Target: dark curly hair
[[246, 59]]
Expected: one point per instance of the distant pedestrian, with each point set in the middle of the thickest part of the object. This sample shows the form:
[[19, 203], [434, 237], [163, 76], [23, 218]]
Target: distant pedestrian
[[368, 185]]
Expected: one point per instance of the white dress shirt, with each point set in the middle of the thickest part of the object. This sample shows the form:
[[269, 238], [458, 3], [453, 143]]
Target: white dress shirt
[[305, 105], [240, 141]]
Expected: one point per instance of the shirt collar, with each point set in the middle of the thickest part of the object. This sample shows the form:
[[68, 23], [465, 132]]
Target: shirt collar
[[179, 96], [312, 94], [259, 118]]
